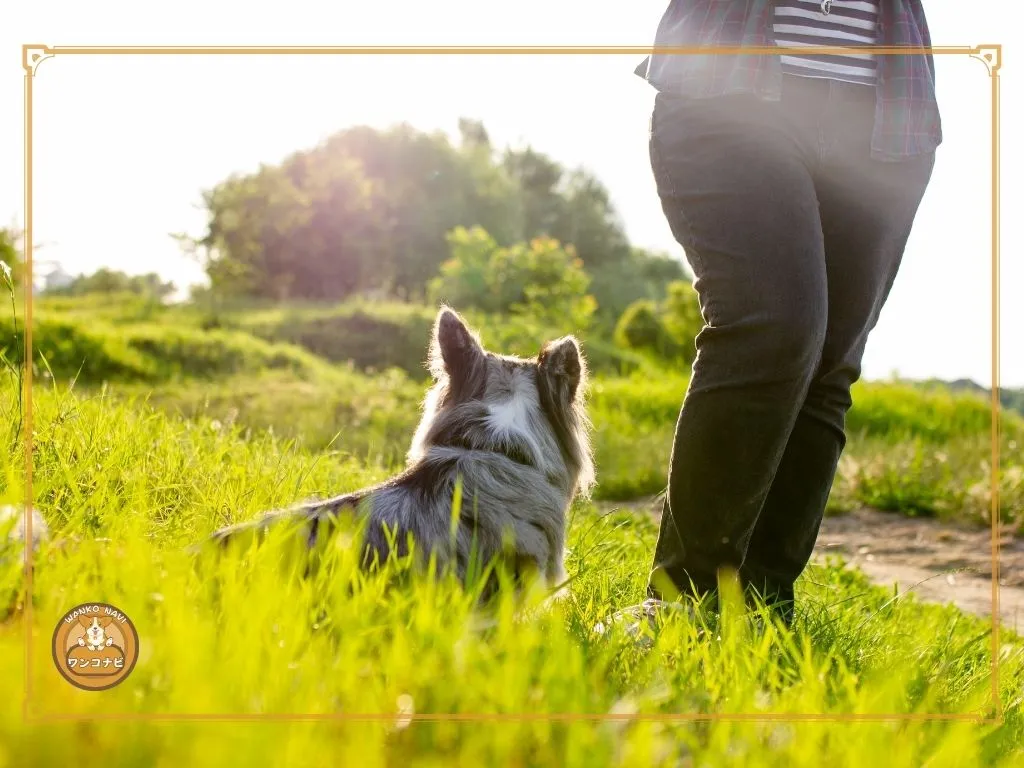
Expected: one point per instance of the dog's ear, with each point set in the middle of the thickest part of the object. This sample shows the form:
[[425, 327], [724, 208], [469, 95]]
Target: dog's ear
[[85, 621], [454, 349], [562, 364], [106, 621]]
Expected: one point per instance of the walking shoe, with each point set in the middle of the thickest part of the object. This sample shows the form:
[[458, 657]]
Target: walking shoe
[[642, 622]]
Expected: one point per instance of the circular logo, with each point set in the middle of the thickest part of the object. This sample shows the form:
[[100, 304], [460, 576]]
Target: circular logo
[[95, 646]]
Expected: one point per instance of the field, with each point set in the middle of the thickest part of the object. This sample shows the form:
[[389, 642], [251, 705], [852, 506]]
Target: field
[[152, 426]]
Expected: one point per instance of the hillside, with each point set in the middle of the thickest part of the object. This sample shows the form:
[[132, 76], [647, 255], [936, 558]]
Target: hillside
[[1009, 397]]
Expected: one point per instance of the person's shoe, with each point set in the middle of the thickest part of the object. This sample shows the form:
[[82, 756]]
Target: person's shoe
[[642, 622]]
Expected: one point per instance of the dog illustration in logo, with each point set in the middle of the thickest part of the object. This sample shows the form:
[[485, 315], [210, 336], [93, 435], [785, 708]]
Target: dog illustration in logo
[[95, 652], [96, 637]]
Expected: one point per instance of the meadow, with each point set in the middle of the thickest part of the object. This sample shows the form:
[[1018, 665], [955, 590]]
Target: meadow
[[153, 425]]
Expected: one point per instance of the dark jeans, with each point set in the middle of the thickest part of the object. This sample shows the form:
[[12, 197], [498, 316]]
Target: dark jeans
[[794, 235]]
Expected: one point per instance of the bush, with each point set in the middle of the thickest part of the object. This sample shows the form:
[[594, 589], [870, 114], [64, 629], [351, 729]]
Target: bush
[[185, 352], [900, 411], [641, 328], [542, 279], [682, 317], [69, 350], [667, 330], [368, 336], [99, 352], [378, 335]]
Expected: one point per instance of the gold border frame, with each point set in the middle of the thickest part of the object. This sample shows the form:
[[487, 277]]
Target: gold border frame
[[34, 54]]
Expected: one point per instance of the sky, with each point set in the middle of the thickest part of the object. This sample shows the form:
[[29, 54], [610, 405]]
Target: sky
[[125, 144]]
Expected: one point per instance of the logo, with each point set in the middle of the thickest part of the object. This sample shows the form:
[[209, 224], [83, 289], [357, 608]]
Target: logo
[[95, 646]]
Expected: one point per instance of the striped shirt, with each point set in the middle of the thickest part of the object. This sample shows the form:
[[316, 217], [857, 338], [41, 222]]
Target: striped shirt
[[907, 119], [803, 24]]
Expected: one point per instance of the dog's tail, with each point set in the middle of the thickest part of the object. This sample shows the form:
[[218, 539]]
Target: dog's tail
[[312, 519]]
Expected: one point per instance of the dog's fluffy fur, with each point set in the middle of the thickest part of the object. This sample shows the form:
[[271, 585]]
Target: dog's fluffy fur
[[514, 430]]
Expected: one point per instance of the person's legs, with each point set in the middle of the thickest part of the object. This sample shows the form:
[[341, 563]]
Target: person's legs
[[736, 187], [867, 210]]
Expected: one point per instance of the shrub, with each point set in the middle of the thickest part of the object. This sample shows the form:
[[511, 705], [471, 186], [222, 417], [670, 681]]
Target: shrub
[[100, 352], [378, 335], [641, 328], [186, 352], [668, 329], [70, 349], [368, 336], [541, 279]]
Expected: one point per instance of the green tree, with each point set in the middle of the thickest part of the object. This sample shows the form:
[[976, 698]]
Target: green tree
[[465, 277], [307, 229], [640, 274], [105, 280], [371, 210], [541, 279]]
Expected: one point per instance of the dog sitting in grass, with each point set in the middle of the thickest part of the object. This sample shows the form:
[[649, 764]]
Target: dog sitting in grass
[[513, 431]]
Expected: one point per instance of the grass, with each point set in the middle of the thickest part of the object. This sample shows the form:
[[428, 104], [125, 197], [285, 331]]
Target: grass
[[339, 410], [98, 351], [126, 486], [349, 378], [172, 430], [940, 471]]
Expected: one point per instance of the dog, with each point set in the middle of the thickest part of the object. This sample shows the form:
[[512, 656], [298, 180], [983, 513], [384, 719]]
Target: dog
[[96, 638], [514, 431]]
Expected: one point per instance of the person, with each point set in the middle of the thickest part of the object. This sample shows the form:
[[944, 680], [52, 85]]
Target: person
[[792, 182]]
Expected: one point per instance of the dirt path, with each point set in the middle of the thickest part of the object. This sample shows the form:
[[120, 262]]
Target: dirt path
[[939, 562]]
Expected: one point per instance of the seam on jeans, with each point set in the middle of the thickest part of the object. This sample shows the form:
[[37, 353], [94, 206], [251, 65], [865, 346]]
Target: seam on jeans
[[668, 194]]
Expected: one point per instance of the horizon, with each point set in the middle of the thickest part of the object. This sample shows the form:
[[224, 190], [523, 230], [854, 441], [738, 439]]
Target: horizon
[[170, 128]]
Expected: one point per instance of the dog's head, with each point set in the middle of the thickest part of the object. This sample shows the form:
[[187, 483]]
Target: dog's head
[[95, 628], [530, 410]]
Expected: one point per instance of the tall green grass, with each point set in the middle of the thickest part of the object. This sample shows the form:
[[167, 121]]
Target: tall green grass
[[125, 487], [933, 460], [921, 453], [918, 451]]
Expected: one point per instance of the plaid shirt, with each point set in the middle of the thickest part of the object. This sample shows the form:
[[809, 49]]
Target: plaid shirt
[[906, 113]]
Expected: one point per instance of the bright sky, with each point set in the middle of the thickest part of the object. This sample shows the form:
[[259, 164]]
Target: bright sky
[[124, 144]]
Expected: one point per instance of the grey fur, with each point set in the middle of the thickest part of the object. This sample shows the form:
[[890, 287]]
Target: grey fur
[[514, 430]]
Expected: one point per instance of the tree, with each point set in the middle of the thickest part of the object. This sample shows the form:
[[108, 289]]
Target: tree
[[639, 274], [366, 209], [303, 229], [575, 208], [590, 222], [105, 280], [370, 210], [536, 177], [473, 134], [545, 281], [541, 279], [465, 279]]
